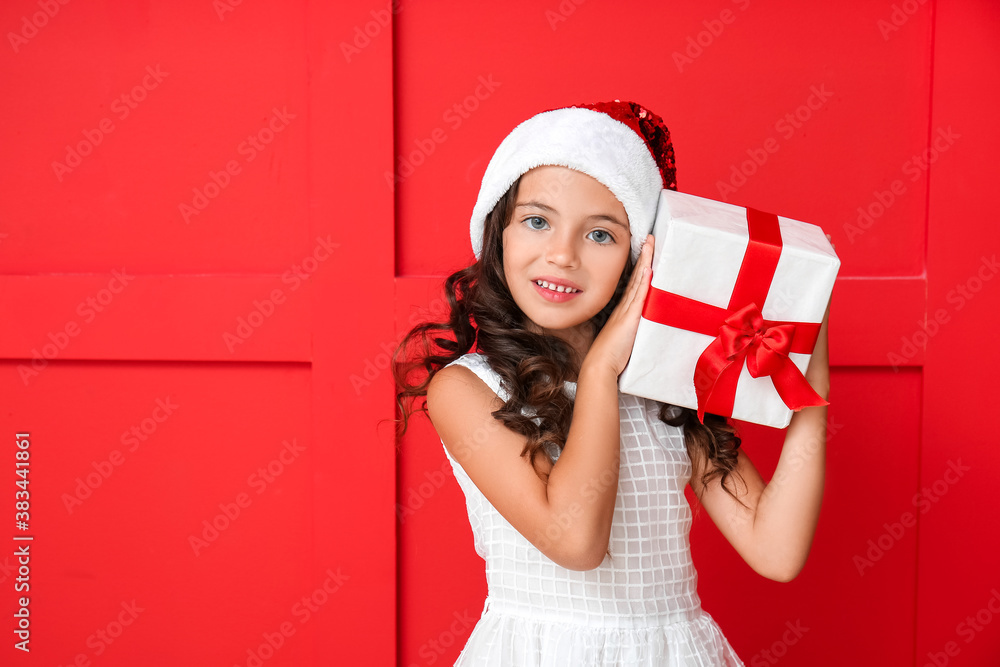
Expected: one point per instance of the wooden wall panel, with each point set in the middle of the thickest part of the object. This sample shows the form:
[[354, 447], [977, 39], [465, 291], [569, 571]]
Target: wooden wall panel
[[958, 586], [179, 272], [861, 109]]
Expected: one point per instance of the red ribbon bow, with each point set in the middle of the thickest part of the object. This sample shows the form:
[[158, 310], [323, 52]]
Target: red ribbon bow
[[741, 332], [744, 336]]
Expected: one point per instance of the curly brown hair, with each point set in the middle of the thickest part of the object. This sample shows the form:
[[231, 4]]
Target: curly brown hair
[[532, 366]]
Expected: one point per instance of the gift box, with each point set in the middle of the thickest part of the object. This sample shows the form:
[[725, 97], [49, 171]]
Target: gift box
[[733, 311]]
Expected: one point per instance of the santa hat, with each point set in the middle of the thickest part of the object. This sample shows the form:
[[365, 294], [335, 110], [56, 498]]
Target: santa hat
[[621, 144]]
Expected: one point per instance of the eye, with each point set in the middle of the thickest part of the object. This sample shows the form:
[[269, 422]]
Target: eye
[[528, 221], [606, 236]]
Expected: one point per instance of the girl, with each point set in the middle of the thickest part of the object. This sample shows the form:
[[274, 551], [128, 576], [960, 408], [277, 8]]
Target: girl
[[575, 491]]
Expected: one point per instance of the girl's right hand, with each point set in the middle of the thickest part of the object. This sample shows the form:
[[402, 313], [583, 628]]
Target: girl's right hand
[[613, 345]]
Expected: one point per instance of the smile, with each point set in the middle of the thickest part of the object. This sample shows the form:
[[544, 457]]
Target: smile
[[555, 288], [555, 294]]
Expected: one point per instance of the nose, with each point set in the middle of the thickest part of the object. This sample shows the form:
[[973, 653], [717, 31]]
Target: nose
[[562, 250]]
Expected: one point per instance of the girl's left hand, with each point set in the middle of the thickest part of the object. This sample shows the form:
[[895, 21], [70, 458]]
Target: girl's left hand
[[818, 370], [613, 345]]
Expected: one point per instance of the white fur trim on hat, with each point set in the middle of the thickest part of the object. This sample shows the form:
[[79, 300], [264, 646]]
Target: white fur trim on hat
[[589, 141]]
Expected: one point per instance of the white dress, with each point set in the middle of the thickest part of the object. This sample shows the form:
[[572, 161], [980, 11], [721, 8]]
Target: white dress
[[640, 607]]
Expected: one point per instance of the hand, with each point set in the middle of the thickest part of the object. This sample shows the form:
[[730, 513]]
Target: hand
[[821, 351], [821, 342], [818, 370], [613, 345]]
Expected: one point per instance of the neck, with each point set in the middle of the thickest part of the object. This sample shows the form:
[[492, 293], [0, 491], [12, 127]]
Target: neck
[[579, 339]]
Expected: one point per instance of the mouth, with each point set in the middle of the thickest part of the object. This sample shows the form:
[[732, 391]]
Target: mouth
[[556, 287], [556, 292]]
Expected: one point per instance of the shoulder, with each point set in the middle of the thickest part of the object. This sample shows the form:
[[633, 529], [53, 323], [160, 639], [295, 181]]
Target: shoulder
[[459, 376], [459, 395], [474, 364], [460, 405]]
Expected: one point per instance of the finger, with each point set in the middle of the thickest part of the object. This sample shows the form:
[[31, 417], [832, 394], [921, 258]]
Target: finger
[[636, 274], [640, 295], [633, 288], [630, 291], [640, 269], [645, 259], [647, 263], [641, 274], [646, 254], [647, 249]]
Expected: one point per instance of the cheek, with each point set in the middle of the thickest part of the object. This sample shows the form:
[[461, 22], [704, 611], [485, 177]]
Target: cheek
[[505, 246], [612, 272], [505, 267], [511, 250]]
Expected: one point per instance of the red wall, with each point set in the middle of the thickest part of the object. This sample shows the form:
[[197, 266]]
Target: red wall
[[244, 346], [838, 103], [234, 528]]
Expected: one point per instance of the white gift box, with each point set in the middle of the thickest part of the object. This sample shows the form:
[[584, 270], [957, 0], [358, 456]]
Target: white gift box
[[701, 245]]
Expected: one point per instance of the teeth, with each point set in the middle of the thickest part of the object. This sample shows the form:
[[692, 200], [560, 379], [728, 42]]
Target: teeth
[[555, 288]]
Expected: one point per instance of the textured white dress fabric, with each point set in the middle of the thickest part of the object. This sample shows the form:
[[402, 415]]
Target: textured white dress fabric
[[640, 607]]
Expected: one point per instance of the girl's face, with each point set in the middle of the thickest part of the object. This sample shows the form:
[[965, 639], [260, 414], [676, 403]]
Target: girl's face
[[569, 231]]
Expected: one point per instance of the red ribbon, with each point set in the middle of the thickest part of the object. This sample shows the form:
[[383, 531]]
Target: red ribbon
[[741, 333]]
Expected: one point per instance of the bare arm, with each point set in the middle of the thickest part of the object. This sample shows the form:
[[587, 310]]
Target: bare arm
[[583, 486], [774, 536], [789, 506], [569, 519]]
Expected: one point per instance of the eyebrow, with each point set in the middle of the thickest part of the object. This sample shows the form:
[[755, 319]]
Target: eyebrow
[[549, 209]]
